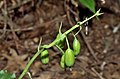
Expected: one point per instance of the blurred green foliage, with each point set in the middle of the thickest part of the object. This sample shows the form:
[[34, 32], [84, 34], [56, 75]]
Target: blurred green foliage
[[6, 75], [90, 4]]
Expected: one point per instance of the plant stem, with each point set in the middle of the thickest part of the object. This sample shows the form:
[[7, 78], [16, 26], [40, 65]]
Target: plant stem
[[30, 62], [60, 49], [79, 24], [78, 31], [56, 40], [60, 28], [67, 43], [71, 29]]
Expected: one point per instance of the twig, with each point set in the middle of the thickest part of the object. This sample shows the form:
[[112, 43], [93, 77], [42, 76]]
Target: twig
[[89, 47], [19, 29], [97, 73], [53, 20], [32, 28], [87, 70], [5, 20], [18, 5], [67, 13], [11, 25]]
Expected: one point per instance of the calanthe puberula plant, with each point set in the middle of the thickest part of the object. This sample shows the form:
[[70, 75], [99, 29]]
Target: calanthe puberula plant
[[67, 59]]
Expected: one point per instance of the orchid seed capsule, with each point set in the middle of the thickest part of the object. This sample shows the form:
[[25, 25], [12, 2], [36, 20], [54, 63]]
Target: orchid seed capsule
[[62, 61], [61, 42], [44, 57], [76, 46], [69, 57]]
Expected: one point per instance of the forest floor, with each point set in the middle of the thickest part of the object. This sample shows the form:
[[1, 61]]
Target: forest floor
[[22, 25]]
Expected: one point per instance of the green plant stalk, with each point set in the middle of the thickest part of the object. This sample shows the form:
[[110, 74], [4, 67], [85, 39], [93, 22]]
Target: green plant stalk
[[60, 49], [67, 43], [30, 62], [71, 29], [81, 23], [56, 40]]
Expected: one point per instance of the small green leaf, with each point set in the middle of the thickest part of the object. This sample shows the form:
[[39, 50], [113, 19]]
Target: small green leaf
[[6, 75], [90, 4]]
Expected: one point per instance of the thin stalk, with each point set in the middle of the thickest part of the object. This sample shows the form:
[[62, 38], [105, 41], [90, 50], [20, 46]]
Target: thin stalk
[[39, 44], [71, 29], [67, 43], [78, 31], [60, 28], [79, 24], [74, 35], [29, 63], [60, 49]]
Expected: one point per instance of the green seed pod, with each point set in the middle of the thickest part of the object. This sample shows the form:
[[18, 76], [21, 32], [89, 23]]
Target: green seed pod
[[76, 46], [44, 57], [61, 42], [69, 57], [62, 61], [63, 58], [62, 64]]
